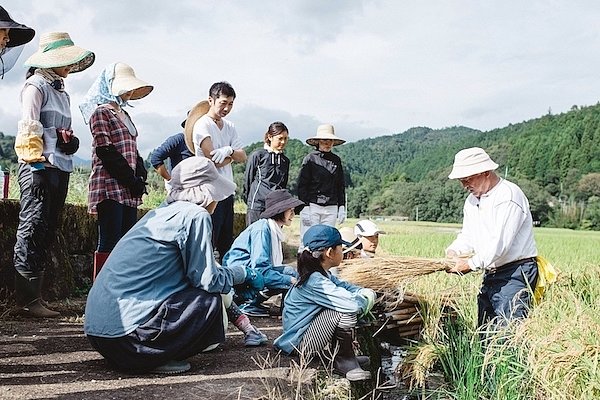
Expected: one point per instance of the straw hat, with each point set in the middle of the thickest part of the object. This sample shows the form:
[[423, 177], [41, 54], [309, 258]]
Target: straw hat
[[19, 34], [279, 201], [471, 161], [325, 132], [125, 81], [195, 113], [57, 50]]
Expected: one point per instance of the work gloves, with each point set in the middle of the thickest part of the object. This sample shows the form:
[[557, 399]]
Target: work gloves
[[66, 141], [219, 155], [117, 167], [341, 215], [370, 296], [253, 284]]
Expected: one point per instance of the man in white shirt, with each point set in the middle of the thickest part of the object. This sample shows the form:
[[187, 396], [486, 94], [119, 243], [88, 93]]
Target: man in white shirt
[[496, 237], [215, 137]]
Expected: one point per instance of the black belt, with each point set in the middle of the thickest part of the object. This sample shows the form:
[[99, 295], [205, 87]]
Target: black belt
[[512, 264]]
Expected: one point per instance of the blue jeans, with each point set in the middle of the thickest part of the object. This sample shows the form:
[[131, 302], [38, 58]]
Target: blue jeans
[[507, 293], [114, 220]]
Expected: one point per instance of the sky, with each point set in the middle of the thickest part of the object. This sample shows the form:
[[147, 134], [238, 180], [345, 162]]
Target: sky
[[370, 67]]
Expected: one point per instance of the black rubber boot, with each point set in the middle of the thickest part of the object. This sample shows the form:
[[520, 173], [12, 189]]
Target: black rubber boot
[[345, 362], [28, 289]]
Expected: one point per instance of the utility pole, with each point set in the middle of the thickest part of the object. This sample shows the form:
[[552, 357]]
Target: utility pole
[[417, 214]]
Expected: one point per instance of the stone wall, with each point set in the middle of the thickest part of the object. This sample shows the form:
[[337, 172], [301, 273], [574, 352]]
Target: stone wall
[[70, 262]]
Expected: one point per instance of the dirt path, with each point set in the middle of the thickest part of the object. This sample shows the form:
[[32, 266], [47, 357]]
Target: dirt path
[[50, 359]]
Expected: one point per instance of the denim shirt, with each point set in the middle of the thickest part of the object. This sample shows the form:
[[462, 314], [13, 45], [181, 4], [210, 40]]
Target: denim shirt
[[304, 303], [253, 248], [168, 250]]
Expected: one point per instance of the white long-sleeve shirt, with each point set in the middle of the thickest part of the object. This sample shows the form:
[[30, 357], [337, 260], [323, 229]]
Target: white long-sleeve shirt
[[497, 228]]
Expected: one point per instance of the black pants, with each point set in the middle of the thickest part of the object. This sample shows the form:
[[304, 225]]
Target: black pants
[[41, 207], [222, 220], [185, 324], [114, 220]]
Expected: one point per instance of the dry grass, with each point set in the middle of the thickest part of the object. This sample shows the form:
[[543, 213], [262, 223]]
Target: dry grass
[[391, 272]]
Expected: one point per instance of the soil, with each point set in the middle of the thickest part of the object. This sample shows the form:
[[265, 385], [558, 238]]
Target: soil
[[52, 359]]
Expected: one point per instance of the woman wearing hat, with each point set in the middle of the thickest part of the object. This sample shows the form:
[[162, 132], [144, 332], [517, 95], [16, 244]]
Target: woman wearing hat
[[261, 246], [44, 145], [321, 310], [118, 178], [158, 299], [267, 169], [321, 182], [13, 37]]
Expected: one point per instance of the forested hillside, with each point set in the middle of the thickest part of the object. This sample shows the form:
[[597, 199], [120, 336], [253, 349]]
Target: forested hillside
[[555, 159]]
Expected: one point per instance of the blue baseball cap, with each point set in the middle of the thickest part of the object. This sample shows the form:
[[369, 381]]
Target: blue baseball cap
[[319, 237]]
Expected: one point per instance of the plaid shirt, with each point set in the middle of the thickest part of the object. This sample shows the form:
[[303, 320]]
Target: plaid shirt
[[108, 129]]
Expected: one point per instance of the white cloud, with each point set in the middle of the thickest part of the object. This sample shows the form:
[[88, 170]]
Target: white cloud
[[369, 67]]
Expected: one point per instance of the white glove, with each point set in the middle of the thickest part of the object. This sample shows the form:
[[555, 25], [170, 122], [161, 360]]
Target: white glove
[[341, 217], [370, 295], [219, 155]]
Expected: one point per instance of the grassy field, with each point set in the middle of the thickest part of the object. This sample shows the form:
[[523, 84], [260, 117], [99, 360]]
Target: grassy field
[[554, 354]]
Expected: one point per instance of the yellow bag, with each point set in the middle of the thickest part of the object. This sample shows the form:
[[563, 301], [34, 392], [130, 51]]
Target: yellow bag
[[546, 276]]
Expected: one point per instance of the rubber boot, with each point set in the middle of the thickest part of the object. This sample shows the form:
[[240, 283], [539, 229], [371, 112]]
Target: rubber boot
[[345, 362], [28, 288], [99, 260]]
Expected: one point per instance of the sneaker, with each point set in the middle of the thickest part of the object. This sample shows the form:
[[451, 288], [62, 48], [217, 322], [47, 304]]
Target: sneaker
[[252, 310], [255, 338], [172, 367]]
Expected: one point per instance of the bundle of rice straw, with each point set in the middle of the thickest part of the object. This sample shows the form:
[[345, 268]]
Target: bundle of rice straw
[[383, 273]]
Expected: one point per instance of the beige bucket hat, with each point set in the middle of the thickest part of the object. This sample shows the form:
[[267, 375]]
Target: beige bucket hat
[[471, 161], [125, 81], [188, 130], [325, 132], [56, 49]]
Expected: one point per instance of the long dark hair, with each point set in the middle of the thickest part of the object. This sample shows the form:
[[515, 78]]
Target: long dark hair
[[308, 263]]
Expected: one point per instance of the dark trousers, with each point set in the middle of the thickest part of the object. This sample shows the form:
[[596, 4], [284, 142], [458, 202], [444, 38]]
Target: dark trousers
[[507, 293], [41, 206], [222, 220], [114, 220], [185, 324]]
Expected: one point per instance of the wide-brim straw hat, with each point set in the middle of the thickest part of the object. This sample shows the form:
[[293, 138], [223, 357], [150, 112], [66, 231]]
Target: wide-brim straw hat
[[279, 201], [58, 50], [18, 34], [188, 130], [126, 81], [325, 132], [471, 161]]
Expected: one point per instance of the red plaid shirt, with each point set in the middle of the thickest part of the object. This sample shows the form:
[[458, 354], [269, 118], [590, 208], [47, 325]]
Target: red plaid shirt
[[108, 129]]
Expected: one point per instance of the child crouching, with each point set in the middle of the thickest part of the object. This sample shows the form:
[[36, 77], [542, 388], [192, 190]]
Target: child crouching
[[321, 311]]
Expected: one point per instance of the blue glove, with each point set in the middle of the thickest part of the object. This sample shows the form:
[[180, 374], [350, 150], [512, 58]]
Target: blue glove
[[253, 284], [254, 279]]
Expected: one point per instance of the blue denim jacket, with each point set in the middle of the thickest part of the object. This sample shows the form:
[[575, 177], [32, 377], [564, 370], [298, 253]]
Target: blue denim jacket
[[167, 251], [252, 248], [304, 303]]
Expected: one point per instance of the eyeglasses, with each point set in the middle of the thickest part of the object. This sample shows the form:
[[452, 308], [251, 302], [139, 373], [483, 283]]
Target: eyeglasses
[[469, 179]]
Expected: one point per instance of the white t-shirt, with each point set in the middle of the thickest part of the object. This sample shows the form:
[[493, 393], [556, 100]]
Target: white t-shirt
[[206, 127]]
